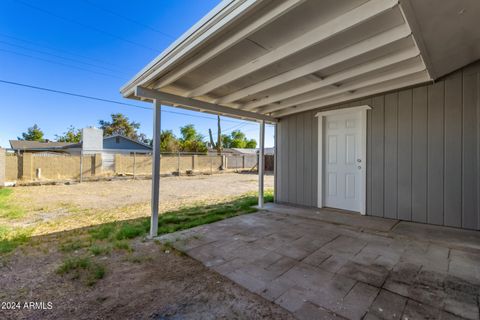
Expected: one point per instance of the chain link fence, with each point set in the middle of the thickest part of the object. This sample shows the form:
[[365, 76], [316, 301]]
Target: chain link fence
[[51, 166]]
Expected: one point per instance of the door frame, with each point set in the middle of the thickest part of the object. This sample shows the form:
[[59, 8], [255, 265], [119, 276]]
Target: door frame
[[363, 142]]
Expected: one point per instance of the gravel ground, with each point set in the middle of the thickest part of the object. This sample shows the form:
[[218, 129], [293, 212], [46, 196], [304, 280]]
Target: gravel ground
[[174, 191], [56, 208]]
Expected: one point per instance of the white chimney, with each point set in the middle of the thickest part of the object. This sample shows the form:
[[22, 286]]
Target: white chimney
[[92, 140]]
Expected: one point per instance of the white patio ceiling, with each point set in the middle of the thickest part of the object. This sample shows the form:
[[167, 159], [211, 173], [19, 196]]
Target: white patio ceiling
[[264, 59]]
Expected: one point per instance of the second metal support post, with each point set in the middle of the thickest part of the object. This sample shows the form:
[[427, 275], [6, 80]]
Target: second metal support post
[[261, 164], [155, 169]]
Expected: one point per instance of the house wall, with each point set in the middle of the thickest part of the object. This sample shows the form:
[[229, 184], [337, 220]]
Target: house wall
[[124, 144], [92, 140], [2, 167], [423, 153]]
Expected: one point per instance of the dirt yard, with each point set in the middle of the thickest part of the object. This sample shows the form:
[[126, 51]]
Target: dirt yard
[[64, 207], [77, 263], [147, 283]]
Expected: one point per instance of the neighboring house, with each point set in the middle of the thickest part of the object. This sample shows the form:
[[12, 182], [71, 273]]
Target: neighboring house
[[376, 103], [225, 151], [267, 151], [241, 151], [20, 146], [92, 142]]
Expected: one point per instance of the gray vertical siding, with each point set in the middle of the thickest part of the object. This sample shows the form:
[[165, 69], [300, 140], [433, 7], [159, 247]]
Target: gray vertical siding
[[297, 160], [423, 153]]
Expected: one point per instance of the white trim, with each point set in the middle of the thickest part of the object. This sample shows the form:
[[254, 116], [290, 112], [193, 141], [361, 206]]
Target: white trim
[[321, 116], [410, 19], [174, 100]]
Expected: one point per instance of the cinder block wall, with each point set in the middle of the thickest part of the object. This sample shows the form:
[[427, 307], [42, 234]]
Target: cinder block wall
[[60, 167], [169, 163], [65, 167], [2, 167], [11, 167]]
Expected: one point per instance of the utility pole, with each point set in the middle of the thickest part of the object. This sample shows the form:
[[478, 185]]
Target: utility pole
[[219, 137], [217, 145], [212, 144]]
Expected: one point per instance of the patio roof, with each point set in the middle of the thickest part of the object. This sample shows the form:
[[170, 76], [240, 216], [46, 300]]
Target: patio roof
[[264, 59]]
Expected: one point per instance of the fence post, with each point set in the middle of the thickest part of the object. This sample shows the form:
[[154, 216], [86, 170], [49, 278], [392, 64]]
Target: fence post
[[81, 166], [3, 165], [98, 164], [117, 165], [178, 163], [134, 163]]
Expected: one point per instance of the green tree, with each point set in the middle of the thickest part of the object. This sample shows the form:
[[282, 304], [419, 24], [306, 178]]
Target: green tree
[[72, 135], [142, 137], [33, 134], [251, 144], [120, 124], [191, 140], [237, 139], [168, 142]]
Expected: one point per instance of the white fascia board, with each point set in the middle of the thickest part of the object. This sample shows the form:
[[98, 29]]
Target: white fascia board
[[409, 16], [174, 100]]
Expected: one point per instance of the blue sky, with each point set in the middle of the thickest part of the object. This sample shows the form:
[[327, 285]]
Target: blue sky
[[90, 47]]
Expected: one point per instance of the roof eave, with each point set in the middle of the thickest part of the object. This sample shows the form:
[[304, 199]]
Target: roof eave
[[179, 48]]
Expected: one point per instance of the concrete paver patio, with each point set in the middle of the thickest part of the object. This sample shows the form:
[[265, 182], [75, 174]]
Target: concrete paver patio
[[324, 264]]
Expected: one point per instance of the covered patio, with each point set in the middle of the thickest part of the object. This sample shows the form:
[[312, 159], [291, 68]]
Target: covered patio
[[362, 83], [324, 264], [376, 111]]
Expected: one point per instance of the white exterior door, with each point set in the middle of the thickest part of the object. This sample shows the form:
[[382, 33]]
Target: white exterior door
[[343, 160]]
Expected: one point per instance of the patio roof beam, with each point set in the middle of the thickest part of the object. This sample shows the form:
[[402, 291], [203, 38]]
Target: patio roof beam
[[350, 52], [316, 35], [174, 100], [230, 42], [367, 67], [374, 79], [404, 82]]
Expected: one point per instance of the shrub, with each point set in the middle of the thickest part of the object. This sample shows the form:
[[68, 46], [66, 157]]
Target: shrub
[[79, 266], [102, 232]]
